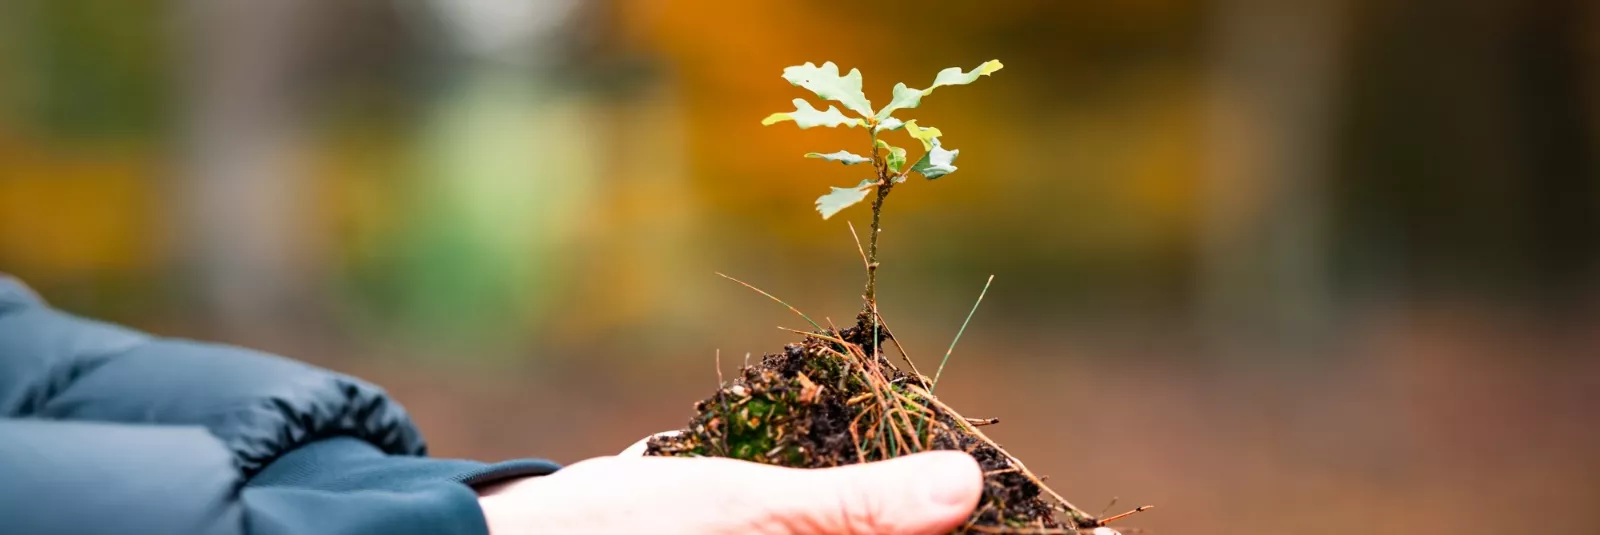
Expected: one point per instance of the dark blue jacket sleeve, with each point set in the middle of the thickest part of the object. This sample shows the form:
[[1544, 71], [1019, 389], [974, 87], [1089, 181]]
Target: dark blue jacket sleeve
[[106, 430], [57, 366]]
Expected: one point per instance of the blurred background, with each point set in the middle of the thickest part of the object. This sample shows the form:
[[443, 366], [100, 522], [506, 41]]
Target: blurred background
[[1313, 266]]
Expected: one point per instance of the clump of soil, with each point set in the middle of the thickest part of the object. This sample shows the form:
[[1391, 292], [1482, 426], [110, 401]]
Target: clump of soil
[[833, 399]]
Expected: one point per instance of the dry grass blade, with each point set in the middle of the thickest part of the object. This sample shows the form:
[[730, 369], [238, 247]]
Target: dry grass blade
[[892, 338], [770, 296], [872, 409], [857, 237], [963, 330], [1139, 509]]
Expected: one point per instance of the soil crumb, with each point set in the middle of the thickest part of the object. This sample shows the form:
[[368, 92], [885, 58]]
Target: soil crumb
[[833, 399]]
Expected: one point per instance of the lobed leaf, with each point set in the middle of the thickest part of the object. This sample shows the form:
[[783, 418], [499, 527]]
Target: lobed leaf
[[937, 162], [904, 97], [888, 125], [806, 116], [954, 76], [841, 198], [826, 83], [925, 135], [844, 157]]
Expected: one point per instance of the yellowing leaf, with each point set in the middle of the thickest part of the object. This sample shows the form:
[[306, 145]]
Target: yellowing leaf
[[826, 83], [954, 76], [841, 198], [844, 157], [925, 135], [806, 116]]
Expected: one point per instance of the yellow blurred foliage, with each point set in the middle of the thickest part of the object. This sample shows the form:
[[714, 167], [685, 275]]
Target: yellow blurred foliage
[[88, 210]]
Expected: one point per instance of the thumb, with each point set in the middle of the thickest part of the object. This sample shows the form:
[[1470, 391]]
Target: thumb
[[927, 493]]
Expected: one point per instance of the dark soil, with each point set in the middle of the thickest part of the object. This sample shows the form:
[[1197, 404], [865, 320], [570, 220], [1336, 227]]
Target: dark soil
[[833, 400]]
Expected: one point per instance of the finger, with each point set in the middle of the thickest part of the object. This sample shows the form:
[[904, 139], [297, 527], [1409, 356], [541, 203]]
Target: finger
[[928, 493], [923, 494], [638, 448]]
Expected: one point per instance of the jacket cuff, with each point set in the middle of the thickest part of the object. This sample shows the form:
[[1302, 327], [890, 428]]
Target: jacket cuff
[[441, 508], [396, 494], [502, 471], [347, 464]]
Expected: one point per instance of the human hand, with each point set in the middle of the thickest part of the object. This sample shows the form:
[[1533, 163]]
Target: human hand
[[926, 493]]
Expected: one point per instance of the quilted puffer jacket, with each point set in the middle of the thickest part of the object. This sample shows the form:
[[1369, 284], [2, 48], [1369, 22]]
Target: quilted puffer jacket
[[108, 430]]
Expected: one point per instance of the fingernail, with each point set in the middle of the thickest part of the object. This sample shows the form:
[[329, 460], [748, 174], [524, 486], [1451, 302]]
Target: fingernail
[[953, 478]]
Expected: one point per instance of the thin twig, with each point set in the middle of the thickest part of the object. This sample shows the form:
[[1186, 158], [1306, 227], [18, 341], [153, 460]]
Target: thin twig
[[855, 437], [769, 296], [892, 338], [857, 237], [874, 380], [818, 336], [963, 329], [1110, 505], [883, 392], [1138, 509]]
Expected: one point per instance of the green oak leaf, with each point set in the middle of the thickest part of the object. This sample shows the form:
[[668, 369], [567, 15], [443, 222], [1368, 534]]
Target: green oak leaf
[[954, 76], [844, 157], [925, 135], [937, 162], [806, 116], [896, 157], [888, 125], [841, 198], [904, 97], [826, 83]]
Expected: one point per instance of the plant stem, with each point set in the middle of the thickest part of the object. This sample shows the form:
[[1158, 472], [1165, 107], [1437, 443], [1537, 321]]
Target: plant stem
[[885, 183], [872, 247]]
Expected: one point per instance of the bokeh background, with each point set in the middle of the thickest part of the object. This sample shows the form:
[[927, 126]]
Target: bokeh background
[[1312, 266]]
